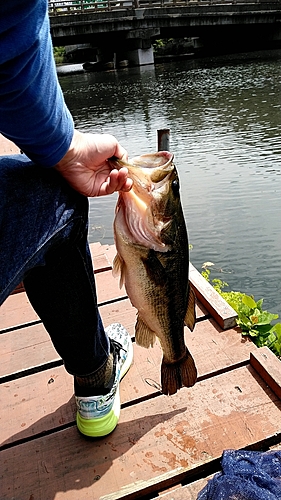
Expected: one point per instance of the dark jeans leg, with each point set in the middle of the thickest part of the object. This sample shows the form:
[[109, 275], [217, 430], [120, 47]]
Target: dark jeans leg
[[43, 241]]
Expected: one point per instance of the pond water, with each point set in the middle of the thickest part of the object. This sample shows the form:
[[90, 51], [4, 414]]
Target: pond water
[[224, 116]]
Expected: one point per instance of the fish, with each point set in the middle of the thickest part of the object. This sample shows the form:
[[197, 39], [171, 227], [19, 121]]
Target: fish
[[152, 261]]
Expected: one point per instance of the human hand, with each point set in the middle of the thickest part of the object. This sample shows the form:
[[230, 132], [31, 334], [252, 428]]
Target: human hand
[[87, 169]]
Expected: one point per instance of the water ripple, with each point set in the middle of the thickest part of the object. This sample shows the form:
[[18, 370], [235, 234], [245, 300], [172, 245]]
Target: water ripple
[[225, 120]]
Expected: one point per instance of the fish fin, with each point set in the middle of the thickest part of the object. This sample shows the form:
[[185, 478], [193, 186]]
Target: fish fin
[[190, 315], [118, 268], [154, 269], [180, 374], [144, 336]]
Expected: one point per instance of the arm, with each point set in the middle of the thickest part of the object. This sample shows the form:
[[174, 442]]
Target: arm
[[33, 113], [32, 109]]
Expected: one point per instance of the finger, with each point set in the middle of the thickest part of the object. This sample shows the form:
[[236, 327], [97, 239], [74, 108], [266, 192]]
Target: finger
[[118, 180], [111, 184], [127, 186], [121, 152]]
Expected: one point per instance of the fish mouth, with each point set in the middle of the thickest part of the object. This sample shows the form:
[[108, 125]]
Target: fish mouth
[[143, 221], [147, 170]]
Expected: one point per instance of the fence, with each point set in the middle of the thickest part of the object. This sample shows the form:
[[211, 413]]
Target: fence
[[69, 7]]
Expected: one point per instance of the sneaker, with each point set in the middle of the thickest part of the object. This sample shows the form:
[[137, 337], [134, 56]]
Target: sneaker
[[98, 416]]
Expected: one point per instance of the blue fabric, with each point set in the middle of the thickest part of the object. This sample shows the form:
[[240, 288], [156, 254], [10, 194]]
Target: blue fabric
[[43, 241], [33, 113], [43, 221], [246, 475]]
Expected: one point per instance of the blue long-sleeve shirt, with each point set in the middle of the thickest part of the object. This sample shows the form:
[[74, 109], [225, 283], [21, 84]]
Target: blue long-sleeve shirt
[[33, 113]]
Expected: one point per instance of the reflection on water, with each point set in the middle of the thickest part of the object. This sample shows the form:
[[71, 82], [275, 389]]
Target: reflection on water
[[224, 115]]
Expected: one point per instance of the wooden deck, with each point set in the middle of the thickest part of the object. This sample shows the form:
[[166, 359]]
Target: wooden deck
[[163, 446]]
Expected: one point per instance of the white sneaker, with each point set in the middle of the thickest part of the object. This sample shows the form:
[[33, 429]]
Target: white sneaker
[[98, 416]]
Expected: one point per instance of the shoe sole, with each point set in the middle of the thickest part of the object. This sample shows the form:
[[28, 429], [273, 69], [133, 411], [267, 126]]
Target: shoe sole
[[99, 427]]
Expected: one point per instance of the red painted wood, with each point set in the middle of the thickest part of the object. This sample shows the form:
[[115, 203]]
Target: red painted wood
[[156, 440], [212, 348], [268, 367], [219, 309], [160, 440]]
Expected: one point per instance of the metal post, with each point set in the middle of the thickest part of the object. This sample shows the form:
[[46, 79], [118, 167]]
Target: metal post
[[163, 139]]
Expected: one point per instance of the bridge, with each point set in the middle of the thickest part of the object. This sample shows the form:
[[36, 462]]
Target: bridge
[[128, 27]]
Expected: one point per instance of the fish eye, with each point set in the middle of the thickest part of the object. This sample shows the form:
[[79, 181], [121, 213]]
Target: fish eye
[[176, 186]]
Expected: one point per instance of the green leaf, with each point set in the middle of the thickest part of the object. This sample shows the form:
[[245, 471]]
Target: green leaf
[[266, 317], [277, 329], [253, 333], [249, 301], [259, 304], [243, 321], [276, 347], [264, 330], [271, 340]]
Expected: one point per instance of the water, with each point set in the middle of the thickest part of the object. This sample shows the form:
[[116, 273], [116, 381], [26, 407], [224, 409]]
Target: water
[[224, 115]]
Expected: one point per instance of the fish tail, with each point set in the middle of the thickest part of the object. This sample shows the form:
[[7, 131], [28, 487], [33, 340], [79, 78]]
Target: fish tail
[[179, 374]]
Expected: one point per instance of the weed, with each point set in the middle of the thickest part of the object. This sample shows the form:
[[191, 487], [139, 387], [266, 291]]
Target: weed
[[252, 319]]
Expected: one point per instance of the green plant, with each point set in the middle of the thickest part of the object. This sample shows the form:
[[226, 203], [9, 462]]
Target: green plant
[[59, 53], [252, 319], [162, 43]]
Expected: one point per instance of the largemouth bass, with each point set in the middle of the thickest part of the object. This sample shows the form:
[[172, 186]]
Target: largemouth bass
[[153, 261]]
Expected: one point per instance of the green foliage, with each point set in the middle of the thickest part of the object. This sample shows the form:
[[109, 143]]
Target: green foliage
[[158, 44], [163, 44], [252, 320], [59, 53]]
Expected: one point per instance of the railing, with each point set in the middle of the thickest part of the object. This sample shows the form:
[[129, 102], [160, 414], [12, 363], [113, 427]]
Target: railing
[[69, 7]]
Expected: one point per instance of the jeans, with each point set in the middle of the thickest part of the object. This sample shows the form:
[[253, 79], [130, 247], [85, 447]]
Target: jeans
[[43, 242]]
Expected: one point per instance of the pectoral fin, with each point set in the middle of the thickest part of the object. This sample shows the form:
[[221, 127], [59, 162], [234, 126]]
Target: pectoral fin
[[144, 336], [190, 316], [118, 268], [154, 269]]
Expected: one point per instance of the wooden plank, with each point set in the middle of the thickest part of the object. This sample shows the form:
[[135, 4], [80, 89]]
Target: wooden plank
[[100, 262], [110, 251], [24, 349], [156, 444], [31, 347], [219, 309], [268, 367], [212, 348], [214, 351], [36, 404], [188, 492], [229, 429], [100, 258], [17, 310], [7, 147]]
